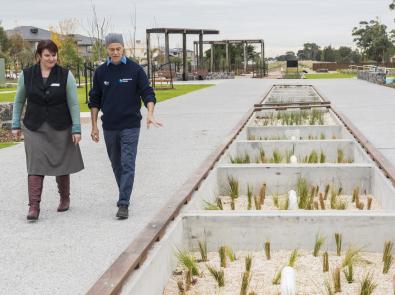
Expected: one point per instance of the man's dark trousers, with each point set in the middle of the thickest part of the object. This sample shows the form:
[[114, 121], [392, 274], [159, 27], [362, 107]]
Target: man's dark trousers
[[122, 149]]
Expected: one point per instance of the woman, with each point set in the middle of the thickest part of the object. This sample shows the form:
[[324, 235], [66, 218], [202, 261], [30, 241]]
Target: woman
[[51, 125]]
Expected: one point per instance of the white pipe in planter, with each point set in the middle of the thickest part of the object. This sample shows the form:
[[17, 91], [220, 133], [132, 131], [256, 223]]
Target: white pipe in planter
[[293, 159], [292, 200], [288, 281]]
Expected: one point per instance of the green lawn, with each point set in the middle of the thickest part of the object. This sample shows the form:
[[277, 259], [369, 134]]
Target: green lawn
[[6, 144], [329, 76], [8, 89], [161, 95]]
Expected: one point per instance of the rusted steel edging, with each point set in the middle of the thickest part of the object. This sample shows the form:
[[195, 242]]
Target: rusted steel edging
[[290, 106], [133, 256]]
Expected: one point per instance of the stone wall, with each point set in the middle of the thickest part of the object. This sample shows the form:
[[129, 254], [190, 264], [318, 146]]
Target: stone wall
[[374, 77], [6, 115]]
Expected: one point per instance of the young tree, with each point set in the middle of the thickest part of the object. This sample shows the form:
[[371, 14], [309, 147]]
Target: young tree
[[3, 40], [97, 29], [373, 40], [19, 51], [63, 36], [329, 54], [344, 54]]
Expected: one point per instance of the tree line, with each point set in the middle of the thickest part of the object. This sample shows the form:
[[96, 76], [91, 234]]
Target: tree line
[[374, 42]]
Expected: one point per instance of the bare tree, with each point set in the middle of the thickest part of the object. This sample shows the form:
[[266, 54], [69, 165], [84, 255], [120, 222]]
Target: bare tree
[[97, 28], [134, 24]]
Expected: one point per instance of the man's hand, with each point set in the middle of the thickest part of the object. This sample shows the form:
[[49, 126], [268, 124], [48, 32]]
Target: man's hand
[[95, 134], [151, 120], [17, 133], [76, 138]]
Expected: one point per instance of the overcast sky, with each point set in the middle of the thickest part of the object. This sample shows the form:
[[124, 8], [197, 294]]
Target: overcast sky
[[284, 25]]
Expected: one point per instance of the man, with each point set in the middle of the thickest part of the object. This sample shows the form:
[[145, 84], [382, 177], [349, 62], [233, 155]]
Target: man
[[119, 85]]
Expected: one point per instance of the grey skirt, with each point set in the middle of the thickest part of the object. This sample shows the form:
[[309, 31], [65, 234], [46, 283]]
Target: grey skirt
[[51, 152]]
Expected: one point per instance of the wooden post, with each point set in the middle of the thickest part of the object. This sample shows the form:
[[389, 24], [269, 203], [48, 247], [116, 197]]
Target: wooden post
[[212, 58], [201, 50], [148, 56], [184, 56]]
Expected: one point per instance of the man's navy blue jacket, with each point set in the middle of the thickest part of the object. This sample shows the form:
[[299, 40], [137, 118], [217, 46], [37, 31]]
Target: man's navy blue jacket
[[118, 90]]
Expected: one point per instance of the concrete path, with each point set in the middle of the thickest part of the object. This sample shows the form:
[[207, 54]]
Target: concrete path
[[370, 107], [64, 253]]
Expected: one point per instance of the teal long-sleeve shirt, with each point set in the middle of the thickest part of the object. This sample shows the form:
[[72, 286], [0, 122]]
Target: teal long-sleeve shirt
[[72, 103]]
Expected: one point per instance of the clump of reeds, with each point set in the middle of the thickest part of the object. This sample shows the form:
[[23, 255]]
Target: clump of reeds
[[370, 200], [267, 250], [248, 263], [313, 157], [293, 257], [336, 280], [233, 203], [217, 274], [230, 253], [353, 256], [302, 191], [240, 159], [335, 202], [283, 203], [262, 194], [203, 249], [277, 277], [262, 156], [340, 156], [328, 288], [319, 241], [249, 197], [338, 239], [333, 199], [355, 197], [277, 157], [257, 203], [325, 262], [327, 187], [349, 273], [322, 157], [211, 205], [387, 256], [188, 261], [322, 202], [245, 282], [368, 285], [233, 187], [222, 256], [275, 199]]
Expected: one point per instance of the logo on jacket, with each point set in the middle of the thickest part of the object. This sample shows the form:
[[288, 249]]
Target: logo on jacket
[[106, 83], [125, 80]]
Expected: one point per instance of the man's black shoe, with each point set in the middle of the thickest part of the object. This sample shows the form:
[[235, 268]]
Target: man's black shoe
[[123, 212]]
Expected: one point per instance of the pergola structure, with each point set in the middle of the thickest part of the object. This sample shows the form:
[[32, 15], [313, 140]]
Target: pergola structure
[[245, 42], [184, 33]]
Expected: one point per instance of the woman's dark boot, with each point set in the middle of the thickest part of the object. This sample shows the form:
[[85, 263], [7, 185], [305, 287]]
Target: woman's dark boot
[[64, 192], [35, 188]]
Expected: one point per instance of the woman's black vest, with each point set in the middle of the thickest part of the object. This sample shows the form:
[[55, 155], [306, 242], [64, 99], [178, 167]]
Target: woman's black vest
[[46, 101]]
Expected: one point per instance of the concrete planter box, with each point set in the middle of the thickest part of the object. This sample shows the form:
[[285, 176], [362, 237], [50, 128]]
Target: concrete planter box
[[249, 231]]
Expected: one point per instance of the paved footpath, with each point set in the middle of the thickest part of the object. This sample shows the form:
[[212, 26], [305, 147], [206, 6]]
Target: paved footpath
[[370, 107], [64, 253]]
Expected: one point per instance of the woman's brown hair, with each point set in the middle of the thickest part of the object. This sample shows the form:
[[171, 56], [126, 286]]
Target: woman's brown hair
[[45, 44]]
